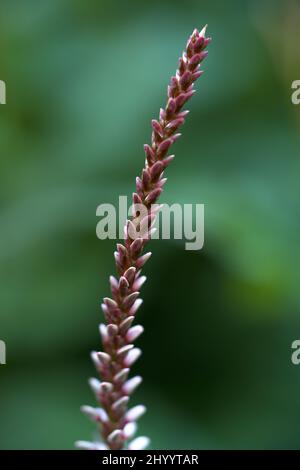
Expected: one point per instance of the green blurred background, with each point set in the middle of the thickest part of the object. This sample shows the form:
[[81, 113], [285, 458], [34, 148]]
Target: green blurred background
[[84, 78]]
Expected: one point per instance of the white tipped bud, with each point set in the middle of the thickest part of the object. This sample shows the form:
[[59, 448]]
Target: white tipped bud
[[120, 404], [122, 352], [115, 436], [104, 358], [103, 331], [140, 443], [105, 311], [110, 303], [143, 259], [134, 332], [86, 445], [132, 356], [203, 31], [135, 413], [125, 324], [95, 385], [112, 330], [139, 282], [95, 359], [95, 414], [129, 430], [106, 387], [135, 306], [121, 376], [113, 282], [132, 384], [90, 412]]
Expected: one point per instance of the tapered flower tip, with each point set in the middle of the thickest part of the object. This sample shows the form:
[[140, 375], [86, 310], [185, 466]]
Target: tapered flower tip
[[135, 413], [126, 324], [86, 445], [139, 443], [95, 414], [106, 387], [135, 306], [95, 359], [124, 350], [95, 385], [120, 404], [112, 330], [132, 384], [103, 331], [122, 375], [132, 356], [203, 31], [129, 430], [130, 274], [134, 332], [115, 436], [103, 357]]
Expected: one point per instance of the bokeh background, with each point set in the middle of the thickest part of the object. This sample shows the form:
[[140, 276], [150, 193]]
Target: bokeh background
[[84, 78]]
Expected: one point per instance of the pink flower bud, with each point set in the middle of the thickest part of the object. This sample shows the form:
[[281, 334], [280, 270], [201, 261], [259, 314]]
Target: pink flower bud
[[146, 179], [197, 75], [129, 430], [194, 61], [112, 330], [106, 387], [115, 437], [167, 160], [162, 114], [164, 146], [125, 324], [86, 445], [185, 80], [104, 358], [95, 385], [181, 66], [153, 195], [95, 359], [150, 155], [110, 303], [161, 182], [96, 414], [133, 333], [121, 376], [156, 170], [157, 128], [123, 286], [140, 443], [136, 199], [130, 274], [129, 300], [135, 306], [119, 405], [142, 260], [173, 125], [131, 385], [171, 107], [139, 185], [135, 413], [103, 332], [122, 352], [132, 357], [136, 247], [139, 282], [199, 43]]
